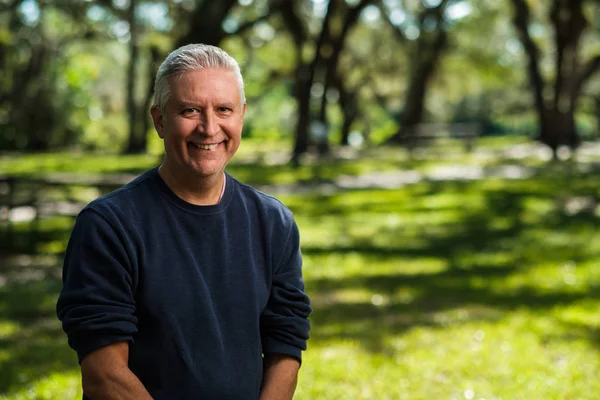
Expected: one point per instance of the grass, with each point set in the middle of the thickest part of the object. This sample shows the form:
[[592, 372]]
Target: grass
[[483, 289], [477, 290], [262, 162]]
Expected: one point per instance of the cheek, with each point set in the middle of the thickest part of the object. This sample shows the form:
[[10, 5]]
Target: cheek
[[179, 129]]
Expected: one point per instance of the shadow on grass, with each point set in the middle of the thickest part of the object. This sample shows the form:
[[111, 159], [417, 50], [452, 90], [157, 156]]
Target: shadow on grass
[[433, 295], [505, 222]]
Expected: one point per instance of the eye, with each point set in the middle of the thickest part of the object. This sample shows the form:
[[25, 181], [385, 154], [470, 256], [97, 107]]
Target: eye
[[189, 111], [224, 110]]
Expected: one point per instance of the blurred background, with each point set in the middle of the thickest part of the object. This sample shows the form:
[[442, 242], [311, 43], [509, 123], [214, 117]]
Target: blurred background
[[440, 157]]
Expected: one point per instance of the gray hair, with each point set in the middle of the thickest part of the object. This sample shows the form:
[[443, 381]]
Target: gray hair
[[192, 57]]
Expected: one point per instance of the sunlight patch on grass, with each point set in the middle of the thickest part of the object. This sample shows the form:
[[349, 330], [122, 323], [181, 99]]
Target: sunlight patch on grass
[[358, 295], [8, 328], [333, 265], [45, 225], [473, 359], [56, 386], [350, 296], [487, 258], [53, 247], [453, 200], [377, 229], [34, 164], [539, 206], [554, 277], [268, 175], [5, 356], [582, 314]]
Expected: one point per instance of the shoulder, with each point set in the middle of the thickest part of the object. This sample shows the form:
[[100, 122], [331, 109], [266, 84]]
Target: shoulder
[[124, 200], [266, 204]]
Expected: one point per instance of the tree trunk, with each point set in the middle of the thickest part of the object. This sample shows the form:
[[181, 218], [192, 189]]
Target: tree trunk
[[569, 23], [305, 77], [558, 130], [302, 94], [206, 23], [349, 108], [331, 64], [427, 55], [27, 119], [337, 44], [301, 89], [521, 20], [345, 134], [145, 111], [557, 125], [136, 142], [414, 105]]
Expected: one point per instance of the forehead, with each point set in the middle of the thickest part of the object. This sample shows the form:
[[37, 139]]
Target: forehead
[[213, 84]]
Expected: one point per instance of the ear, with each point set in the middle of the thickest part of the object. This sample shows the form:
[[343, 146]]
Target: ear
[[158, 120]]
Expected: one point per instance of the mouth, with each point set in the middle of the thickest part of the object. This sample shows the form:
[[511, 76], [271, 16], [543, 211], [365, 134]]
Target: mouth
[[208, 147]]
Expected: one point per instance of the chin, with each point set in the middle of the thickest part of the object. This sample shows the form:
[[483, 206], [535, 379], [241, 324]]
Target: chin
[[206, 171]]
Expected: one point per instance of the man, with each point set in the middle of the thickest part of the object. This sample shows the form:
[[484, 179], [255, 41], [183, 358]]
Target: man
[[185, 283]]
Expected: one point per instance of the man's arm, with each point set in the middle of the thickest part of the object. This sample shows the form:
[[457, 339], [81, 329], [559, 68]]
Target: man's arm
[[106, 375], [284, 321], [97, 307], [279, 377]]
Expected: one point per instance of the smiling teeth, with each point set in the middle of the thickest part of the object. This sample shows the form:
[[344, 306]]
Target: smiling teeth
[[206, 146]]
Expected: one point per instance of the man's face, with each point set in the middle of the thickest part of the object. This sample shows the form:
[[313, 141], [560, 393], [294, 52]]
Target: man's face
[[202, 123]]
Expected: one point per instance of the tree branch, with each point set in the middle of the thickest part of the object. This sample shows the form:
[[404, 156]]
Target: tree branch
[[590, 68], [206, 23], [249, 24], [521, 22], [293, 23]]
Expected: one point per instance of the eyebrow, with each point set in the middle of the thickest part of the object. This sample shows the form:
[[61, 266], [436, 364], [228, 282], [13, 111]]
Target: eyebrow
[[195, 105]]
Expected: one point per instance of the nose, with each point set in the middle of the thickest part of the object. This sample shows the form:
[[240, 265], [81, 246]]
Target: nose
[[208, 124]]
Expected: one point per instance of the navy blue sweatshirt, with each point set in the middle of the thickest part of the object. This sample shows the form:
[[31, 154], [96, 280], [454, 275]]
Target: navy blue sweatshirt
[[199, 292]]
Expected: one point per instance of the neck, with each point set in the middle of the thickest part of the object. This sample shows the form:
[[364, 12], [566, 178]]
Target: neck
[[199, 191]]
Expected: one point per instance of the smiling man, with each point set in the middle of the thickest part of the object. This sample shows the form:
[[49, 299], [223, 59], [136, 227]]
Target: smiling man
[[185, 283]]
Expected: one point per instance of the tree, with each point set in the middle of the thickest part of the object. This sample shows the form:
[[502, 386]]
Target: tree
[[136, 113], [424, 55], [302, 76], [137, 141], [332, 75], [322, 69], [556, 112], [36, 105]]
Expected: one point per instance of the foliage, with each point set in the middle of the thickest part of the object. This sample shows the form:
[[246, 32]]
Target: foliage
[[70, 59]]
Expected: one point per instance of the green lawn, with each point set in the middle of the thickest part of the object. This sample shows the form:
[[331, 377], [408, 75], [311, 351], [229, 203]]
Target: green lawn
[[484, 289]]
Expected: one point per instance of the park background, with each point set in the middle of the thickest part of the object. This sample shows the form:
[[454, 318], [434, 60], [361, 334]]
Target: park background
[[440, 157]]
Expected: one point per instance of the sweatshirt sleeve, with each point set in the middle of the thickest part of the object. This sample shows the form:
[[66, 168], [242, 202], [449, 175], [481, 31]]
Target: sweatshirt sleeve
[[284, 323], [96, 305]]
